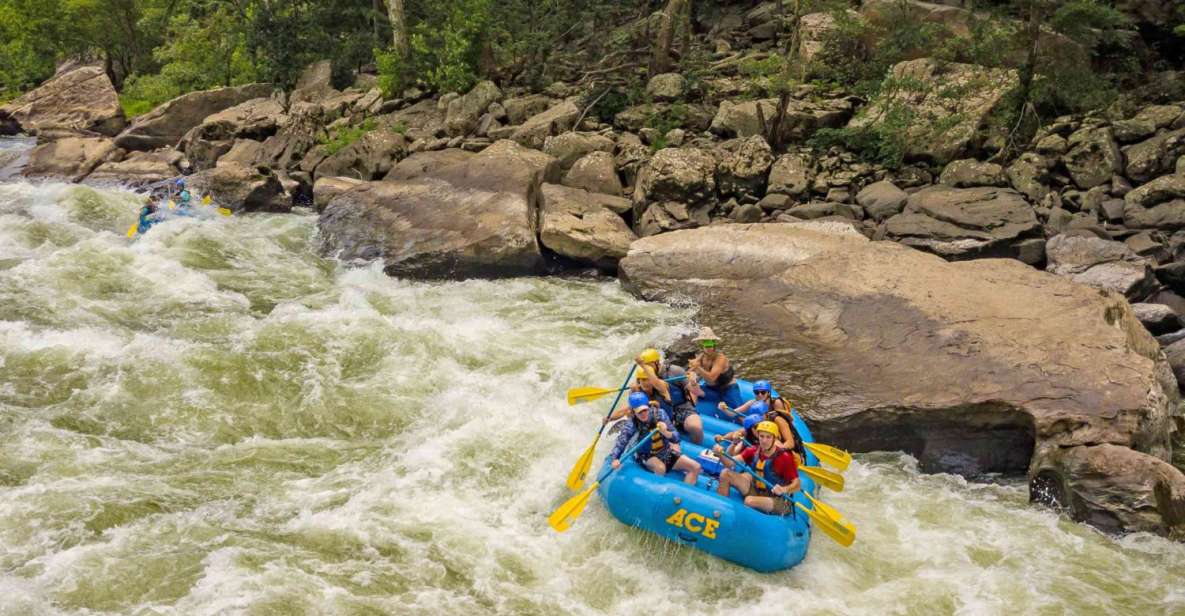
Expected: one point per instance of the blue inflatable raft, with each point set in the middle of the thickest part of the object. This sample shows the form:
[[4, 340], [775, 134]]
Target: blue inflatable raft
[[698, 517]]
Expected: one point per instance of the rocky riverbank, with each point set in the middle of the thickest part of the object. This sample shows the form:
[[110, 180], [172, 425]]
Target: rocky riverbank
[[985, 366]]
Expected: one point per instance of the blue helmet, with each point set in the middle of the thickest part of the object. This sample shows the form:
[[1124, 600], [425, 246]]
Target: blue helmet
[[762, 385], [638, 399], [758, 408], [752, 420], [181, 182]]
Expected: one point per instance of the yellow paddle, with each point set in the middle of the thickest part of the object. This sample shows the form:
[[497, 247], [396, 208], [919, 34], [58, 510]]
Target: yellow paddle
[[825, 517], [580, 470], [828, 479], [207, 201], [831, 456], [841, 531], [562, 518], [822, 507], [132, 230], [578, 395]]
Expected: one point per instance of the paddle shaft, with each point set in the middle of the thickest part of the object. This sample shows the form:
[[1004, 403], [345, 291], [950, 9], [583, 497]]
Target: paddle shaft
[[629, 452], [626, 388], [612, 407], [747, 469]]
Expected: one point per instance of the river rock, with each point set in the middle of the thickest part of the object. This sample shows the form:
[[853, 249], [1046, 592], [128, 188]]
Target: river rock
[[1029, 174], [686, 175], [1157, 318], [971, 367], [579, 226], [477, 218], [463, 112], [802, 118], [426, 163], [1160, 190], [1155, 156], [1099, 263], [969, 172], [520, 108], [168, 123], [963, 223], [882, 200], [742, 167], [791, 175], [536, 129], [81, 100], [951, 103], [1093, 156], [326, 188], [141, 168], [242, 188], [314, 84], [569, 147], [256, 119], [369, 158], [666, 87], [824, 209], [595, 172], [71, 158], [1113, 488]]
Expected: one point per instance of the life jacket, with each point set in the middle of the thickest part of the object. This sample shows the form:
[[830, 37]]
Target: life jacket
[[765, 469], [656, 396], [798, 449], [657, 442]]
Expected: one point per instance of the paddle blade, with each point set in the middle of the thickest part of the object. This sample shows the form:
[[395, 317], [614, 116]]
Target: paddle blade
[[831, 456], [172, 205], [841, 531], [562, 518], [206, 200], [132, 230], [828, 479], [823, 508], [578, 395], [580, 470], [224, 211]]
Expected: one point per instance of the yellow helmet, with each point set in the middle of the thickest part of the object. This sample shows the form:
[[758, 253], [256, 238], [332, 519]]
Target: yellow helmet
[[641, 375], [650, 356], [768, 427]]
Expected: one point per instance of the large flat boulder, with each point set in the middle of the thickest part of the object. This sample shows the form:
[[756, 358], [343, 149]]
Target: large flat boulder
[[168, 123], [964, 223], [971, 367], [141, 168], [256, 119], [536, 129], [70, 158], [81, 100], [948, 104], [584, 226], [477, 218], [242, 188]]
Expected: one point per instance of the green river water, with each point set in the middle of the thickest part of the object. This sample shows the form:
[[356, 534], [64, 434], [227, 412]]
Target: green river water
[[215, 420]]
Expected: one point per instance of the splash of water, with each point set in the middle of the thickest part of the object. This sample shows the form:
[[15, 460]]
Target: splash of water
[[213, 419]]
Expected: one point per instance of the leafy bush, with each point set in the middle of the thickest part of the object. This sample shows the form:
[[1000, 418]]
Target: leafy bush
[[346, 136]]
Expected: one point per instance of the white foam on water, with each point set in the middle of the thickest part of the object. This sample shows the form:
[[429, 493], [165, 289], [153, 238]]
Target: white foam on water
[[248, 428]]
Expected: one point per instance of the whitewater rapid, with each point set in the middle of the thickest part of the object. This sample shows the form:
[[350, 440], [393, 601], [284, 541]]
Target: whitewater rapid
[[213, 419]]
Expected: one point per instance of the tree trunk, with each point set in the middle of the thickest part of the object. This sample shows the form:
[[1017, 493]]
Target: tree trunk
[[660, 60], [398, 28]]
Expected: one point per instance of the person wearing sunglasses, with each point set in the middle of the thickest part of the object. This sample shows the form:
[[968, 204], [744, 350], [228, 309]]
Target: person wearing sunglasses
[[713, 367], [662, 453], [772, 463]]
